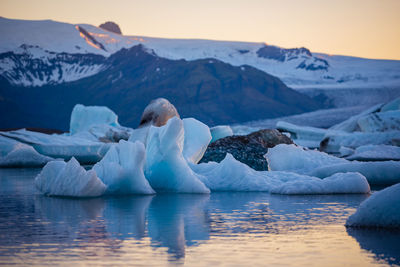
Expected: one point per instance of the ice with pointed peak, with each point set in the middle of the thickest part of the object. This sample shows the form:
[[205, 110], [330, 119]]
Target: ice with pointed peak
[[121, 169], [232, 175], [70, 179], [382, 209], [24, 156], [220, 131], [84, 117], [166, 168], [197, 136]]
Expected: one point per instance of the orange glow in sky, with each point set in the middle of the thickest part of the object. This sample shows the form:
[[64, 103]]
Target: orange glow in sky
[[365, 28]]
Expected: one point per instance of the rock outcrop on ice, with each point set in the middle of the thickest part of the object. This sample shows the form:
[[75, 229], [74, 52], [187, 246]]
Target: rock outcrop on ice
[[382, 209], [249, 149], [158, 112]]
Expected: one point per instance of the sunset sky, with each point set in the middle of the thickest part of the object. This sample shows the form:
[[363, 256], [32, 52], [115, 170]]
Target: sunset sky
[[364, 28]]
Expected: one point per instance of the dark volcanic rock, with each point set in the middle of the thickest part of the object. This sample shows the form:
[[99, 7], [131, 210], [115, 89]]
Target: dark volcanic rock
[[248, 149], [111, 27]]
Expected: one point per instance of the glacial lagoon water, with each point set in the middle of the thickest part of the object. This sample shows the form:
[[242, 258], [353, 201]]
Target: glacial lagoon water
[[231, 229]]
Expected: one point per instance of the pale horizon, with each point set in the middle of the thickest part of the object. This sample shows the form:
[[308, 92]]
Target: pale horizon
[[368, 29]]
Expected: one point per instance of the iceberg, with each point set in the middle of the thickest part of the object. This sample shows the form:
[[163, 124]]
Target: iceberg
[[377, 173], [319, 164], [197, 136], [375, 153], [61, 146], [84, 117], [166, 169], [380, 122], [232, 175], [70, 179], [220, 131], [24, 156], [293, 158], [382, 209], [121, 169]]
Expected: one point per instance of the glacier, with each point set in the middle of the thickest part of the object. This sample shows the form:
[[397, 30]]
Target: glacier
[[381, 210]]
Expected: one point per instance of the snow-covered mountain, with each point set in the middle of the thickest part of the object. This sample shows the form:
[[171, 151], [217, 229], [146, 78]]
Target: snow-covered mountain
[[35, 53]]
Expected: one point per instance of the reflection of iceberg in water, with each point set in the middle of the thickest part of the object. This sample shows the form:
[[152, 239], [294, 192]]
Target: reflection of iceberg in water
[[383, 243], [125, 217], [177, 221]]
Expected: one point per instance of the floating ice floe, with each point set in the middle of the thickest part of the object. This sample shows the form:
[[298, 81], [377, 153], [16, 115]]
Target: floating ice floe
[[121, 169], [220, 131], [61, 146], [166, 168], [382, 209], [70, 179], [319, 164], [85, 117], [374, 153], [197, 136], [232, 175]]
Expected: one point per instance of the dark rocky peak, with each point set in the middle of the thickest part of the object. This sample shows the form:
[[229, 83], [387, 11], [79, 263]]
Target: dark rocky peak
[[282, 54], [111, 27]]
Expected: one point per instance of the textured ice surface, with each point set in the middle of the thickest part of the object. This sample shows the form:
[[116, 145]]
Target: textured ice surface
[[58, 178], [83, 118], [375, 152], [379, 172], [357, 139], [166, 168], [382, 209], [232, 175], [380, 122], [197, 136], [301, 132], [24, 156], [61, 146], [220, 131], [319, 164], [292, 158], [121, 169]]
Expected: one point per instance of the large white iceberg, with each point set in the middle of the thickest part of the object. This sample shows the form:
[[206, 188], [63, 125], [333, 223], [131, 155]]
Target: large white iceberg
[[314, 163], [382, 209], [84, 117], [70, 179], [166, 168], [121, 169], [232, 175]]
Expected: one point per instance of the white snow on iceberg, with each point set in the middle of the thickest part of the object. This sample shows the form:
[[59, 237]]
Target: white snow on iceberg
[[70, 179], [121, 169], [166, 169], [382, 209], [232, 175]]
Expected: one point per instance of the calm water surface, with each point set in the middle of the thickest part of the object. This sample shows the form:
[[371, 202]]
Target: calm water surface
[[240, 229]]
